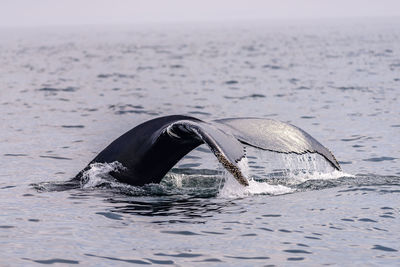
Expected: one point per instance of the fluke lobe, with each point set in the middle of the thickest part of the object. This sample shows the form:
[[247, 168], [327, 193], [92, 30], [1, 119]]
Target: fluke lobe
[[152, 148]]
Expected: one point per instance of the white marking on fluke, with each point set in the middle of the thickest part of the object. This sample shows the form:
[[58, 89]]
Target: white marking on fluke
[[171, 133]]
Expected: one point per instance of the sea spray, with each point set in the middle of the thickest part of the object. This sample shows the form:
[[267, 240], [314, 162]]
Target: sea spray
[[232, 188], [294, 170], [98, 174]]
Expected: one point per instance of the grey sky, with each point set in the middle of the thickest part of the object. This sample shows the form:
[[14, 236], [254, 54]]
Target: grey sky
[[73, 12]]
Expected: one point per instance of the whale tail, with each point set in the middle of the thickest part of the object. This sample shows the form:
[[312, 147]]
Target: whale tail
[[275, 136], [152, 148]]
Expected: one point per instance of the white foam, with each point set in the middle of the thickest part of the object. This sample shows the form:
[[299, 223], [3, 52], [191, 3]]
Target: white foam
[[98, 173], [295, 178], [232, 188]]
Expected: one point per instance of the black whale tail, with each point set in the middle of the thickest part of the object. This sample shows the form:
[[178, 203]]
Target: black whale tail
[[152, 148]]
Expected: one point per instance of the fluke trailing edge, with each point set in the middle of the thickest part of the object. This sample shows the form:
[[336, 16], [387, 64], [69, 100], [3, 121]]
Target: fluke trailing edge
[[152, 148]]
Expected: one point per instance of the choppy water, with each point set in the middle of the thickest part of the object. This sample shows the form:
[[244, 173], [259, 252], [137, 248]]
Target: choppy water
[[66, 93]]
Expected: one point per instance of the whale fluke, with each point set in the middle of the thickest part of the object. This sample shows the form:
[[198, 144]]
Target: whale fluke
[[152, 148], [276, 136]]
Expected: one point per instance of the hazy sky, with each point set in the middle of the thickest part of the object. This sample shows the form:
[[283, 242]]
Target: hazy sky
[[73, 12]]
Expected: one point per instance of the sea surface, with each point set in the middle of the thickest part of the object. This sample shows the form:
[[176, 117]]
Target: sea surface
[[67, 92]]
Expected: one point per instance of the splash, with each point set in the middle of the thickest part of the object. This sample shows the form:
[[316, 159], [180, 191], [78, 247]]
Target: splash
[[267, 173], [232, 189], [295, 178], [98, 174], [200, 183], [191, 182], [289, 171]]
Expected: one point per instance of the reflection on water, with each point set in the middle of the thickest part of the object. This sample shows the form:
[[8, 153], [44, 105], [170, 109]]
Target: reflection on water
[[184, 210]]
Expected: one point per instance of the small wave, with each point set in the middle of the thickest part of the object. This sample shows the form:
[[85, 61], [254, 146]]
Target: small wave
[[56, 186]]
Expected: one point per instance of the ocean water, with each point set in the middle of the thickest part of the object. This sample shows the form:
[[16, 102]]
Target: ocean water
[[66, 93]]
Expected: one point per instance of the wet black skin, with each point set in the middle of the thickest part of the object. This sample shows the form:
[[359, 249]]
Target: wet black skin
[[146, 151]]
